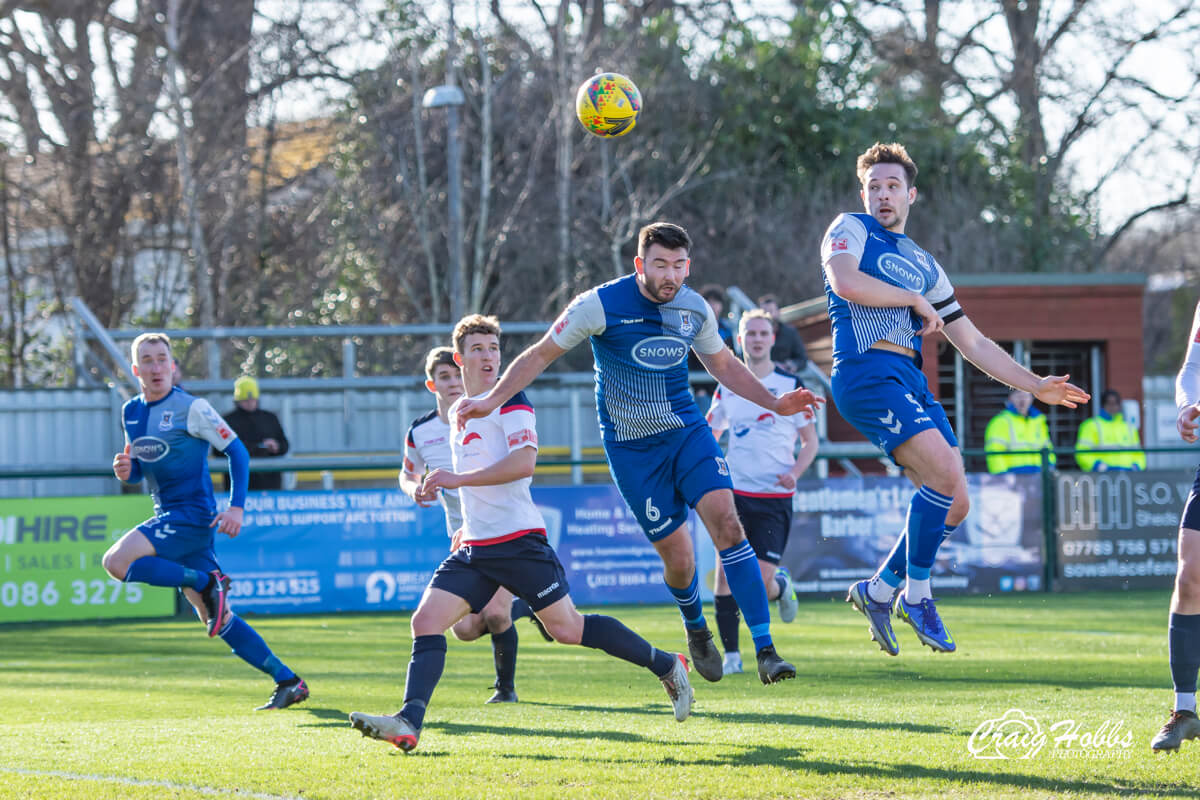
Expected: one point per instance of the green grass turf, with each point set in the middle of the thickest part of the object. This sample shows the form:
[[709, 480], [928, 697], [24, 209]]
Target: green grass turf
[[154, 709]]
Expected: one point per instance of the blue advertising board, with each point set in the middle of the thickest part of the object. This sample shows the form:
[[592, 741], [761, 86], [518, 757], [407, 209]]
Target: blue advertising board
[[375, 549]]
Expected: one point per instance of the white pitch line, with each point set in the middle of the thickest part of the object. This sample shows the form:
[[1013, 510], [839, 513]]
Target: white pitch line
[[212, 790]]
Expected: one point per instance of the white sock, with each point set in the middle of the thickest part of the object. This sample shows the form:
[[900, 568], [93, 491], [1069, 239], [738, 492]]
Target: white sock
[[733, 658], [1185, 701], [880, 590], [916, 591]]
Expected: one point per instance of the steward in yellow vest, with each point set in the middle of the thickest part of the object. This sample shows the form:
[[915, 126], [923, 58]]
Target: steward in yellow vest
[[1019, 426], [1108, 431]]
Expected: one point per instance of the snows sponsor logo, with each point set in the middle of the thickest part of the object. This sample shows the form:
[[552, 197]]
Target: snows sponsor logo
[[659, 352], [901, 272], [148, 449]]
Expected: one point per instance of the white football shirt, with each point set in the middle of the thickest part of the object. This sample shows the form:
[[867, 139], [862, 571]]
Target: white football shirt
[[427, 447], [762, 444], [493, 514]]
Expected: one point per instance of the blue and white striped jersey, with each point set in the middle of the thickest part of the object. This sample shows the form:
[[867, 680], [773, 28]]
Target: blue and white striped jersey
[[169, 439], [640, 349], [892, 258]]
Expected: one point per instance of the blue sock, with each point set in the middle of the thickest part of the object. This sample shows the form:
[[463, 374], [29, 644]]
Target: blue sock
[[690, 607], [1183, 638], [161, 572], [924, 528], [424, 672], [728, 621], [895, 569], [610, 635], [746, 585], [250, 647], [504, 654]]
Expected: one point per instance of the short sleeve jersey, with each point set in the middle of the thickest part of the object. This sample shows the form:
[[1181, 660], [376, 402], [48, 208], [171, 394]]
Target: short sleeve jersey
[[170, 439], [427, 445], [640, 349], [762, 444], [1187, 383], [892, 258], [493, 514]]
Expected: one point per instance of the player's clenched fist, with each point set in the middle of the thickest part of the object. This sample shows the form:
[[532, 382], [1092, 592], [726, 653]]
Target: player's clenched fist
[[1188, 422], [123, 464], [439, 479]]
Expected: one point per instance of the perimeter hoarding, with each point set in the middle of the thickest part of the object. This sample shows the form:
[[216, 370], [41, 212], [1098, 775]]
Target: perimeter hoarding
[[1119, 530], [50, 564], [843, 529], [375, 549]]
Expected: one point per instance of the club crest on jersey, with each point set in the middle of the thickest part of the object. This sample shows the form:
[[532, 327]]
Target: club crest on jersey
[[685, 327], [470, 437], [164, 424], [659, 352], [148, 449], [901, 272]]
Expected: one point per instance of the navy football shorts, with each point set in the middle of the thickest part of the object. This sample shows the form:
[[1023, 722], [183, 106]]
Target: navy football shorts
[[527, 566], [767, 522], [1191, 509]]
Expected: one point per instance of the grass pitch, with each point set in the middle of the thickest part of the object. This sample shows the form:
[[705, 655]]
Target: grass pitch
[[154, 709]]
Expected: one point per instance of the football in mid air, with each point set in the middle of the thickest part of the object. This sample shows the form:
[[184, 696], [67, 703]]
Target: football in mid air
[[608, 105]]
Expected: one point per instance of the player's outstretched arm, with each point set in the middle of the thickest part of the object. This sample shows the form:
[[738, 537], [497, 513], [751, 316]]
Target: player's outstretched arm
[[519, 374], [990, 357], [731, 373]]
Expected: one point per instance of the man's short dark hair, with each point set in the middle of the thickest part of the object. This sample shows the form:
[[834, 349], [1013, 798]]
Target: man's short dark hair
[[713, 291], [1110, 393], [436, 358], [664, 234], [893, 153], [768, 298]]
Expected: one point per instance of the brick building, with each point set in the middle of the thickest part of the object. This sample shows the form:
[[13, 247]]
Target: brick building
[[1086, 325]]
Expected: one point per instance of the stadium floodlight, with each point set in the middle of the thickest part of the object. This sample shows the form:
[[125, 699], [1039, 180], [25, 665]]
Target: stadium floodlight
[[446, 95]]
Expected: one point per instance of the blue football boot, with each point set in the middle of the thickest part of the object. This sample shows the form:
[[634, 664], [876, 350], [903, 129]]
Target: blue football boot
[[879, 617], [924, 619]]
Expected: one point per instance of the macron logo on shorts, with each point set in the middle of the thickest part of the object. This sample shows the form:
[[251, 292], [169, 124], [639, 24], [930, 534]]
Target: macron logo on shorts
[[548, 589]]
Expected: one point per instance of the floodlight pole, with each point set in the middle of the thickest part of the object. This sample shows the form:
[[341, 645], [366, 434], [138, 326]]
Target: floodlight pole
[[451, 97]]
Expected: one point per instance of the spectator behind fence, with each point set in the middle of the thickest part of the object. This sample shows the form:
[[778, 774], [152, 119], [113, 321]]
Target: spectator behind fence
[[789, 351], [1019, 426], [715, 296], [258, 429], [1109, 431]]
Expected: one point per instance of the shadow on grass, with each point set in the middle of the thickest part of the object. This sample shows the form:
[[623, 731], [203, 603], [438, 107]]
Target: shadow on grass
[[503, 729], [800, 720], [335, 717], [795, 759]]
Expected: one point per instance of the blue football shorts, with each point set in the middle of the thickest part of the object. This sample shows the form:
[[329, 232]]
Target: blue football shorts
[[527, 566], [188, 545], [661, 476], [886, 397]]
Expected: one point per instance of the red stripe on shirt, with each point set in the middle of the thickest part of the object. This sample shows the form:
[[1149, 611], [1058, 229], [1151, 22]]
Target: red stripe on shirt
[[763, 494], [508, 537]]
